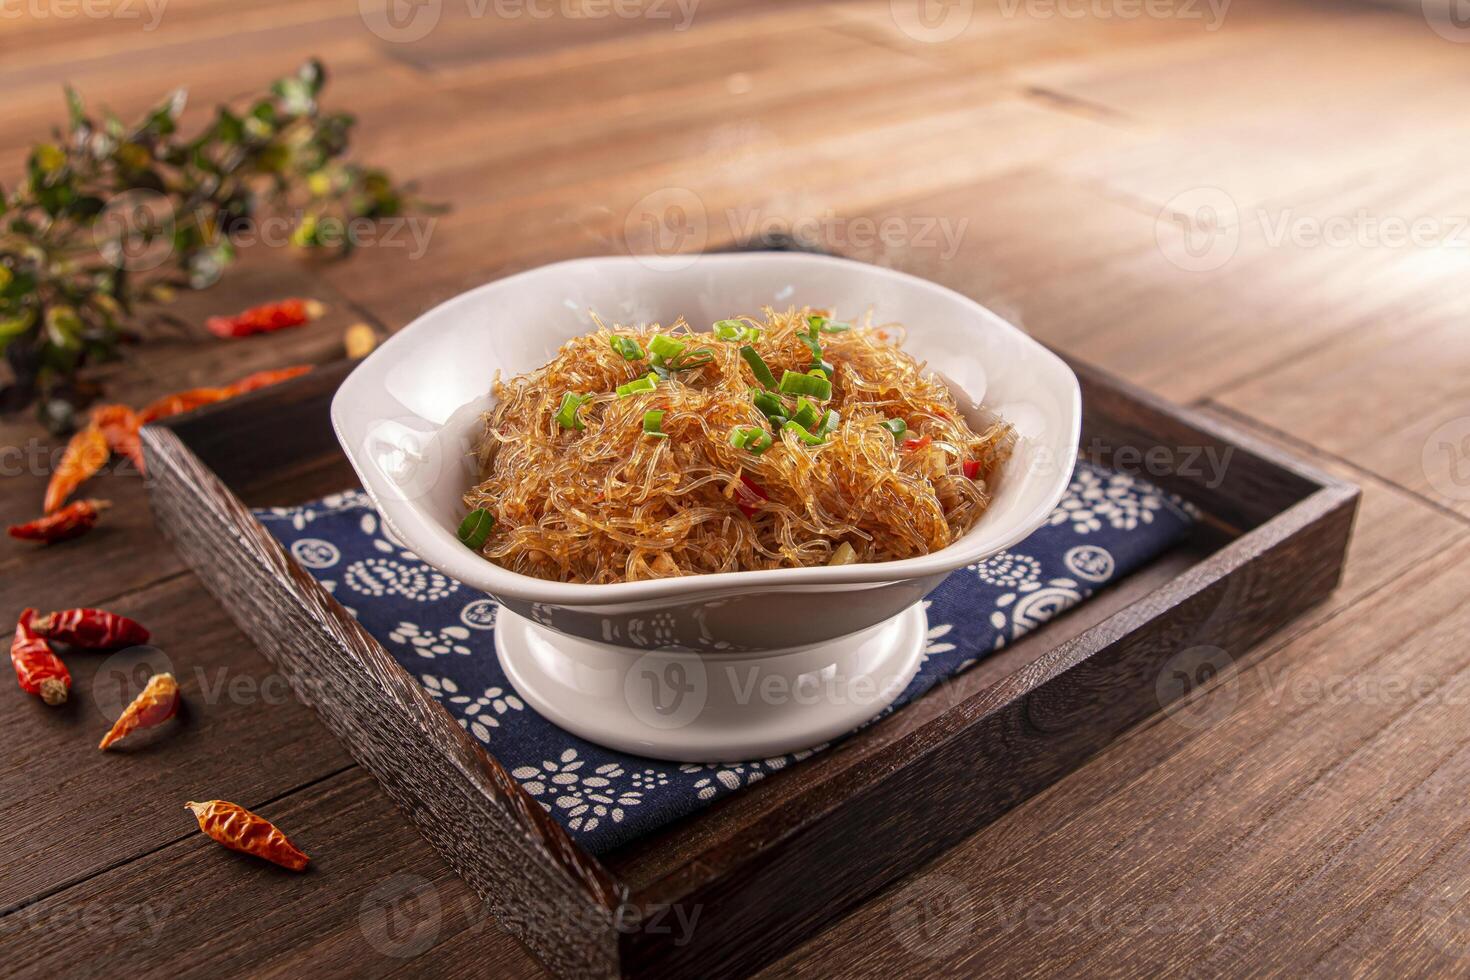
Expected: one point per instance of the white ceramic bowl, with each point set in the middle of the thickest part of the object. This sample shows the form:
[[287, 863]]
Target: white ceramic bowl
[[665, 667]]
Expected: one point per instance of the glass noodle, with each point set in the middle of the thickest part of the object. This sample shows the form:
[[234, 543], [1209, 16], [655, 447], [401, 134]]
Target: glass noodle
[[606, 492]]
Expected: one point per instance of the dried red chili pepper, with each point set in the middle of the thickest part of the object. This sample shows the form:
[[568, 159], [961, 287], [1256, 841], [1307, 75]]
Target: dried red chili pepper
[[187, 401], [972, 469], [265, 318], [240, 830], [154, 705], [264, 379], [37, 667], [181, 401], [119, 425], [71, 521], [84, 455], [90, 629]]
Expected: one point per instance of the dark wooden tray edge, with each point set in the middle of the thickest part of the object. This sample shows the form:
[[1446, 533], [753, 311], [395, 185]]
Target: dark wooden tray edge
[[1031, 718], [301, 628]]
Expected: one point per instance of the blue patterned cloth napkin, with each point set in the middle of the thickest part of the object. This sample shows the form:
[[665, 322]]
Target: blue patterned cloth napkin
[[443, 633]]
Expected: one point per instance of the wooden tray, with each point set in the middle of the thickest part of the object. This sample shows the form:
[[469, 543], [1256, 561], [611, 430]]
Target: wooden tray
[[770, 865]]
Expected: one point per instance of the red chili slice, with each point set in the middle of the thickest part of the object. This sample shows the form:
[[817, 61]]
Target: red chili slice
[[749, 490], [911, 445], [972, 469]]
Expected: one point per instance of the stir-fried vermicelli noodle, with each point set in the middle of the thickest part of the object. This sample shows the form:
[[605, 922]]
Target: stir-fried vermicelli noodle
[[769, 443]]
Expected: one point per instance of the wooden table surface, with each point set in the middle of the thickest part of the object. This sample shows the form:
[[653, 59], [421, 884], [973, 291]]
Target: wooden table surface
[[1259, 209]]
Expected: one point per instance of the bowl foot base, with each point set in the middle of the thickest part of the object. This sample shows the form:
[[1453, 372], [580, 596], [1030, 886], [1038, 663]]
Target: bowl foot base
[[711, 707]]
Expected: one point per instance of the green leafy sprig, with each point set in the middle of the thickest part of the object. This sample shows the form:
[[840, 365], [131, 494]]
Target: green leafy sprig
[[110, 217]]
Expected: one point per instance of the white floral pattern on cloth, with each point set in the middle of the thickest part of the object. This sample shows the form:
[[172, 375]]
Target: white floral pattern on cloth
[[378, 577], [1098, 497], [475, 714], [586, 799], [444, 634], [431, 643], [715, 778], [934, 642]]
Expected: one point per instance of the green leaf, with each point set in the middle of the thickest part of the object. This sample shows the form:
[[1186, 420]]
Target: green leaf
[[228, 127], [163, 121], [314, 75], [206, 266], [75, 111], [294, 96], [47, 158], [16, 326], [64, 328]]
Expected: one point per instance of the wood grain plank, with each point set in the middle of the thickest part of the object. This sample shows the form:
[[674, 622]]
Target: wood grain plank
[[474, 34], [765, 183], [1410, 398], [70, 811], [1193, 851], [1355, 349], [375, 900]]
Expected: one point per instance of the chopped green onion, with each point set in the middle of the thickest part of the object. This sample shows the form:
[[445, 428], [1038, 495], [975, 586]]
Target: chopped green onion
[[812, 340], [698, 357], [666, 366], [830, 419], [566, 414], [807, 415], [638, 386], [653, 423], [898, 427], [475, 529], [803, 434], [826, 367], [627, 347], [770, 405], [662, 345], [824, 325], [844, 555], [737, 331], [758, 366], [752, 438], [814, 385]]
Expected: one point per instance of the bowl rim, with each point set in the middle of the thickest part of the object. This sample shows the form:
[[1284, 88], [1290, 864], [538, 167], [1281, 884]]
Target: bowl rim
[[480, 573]]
